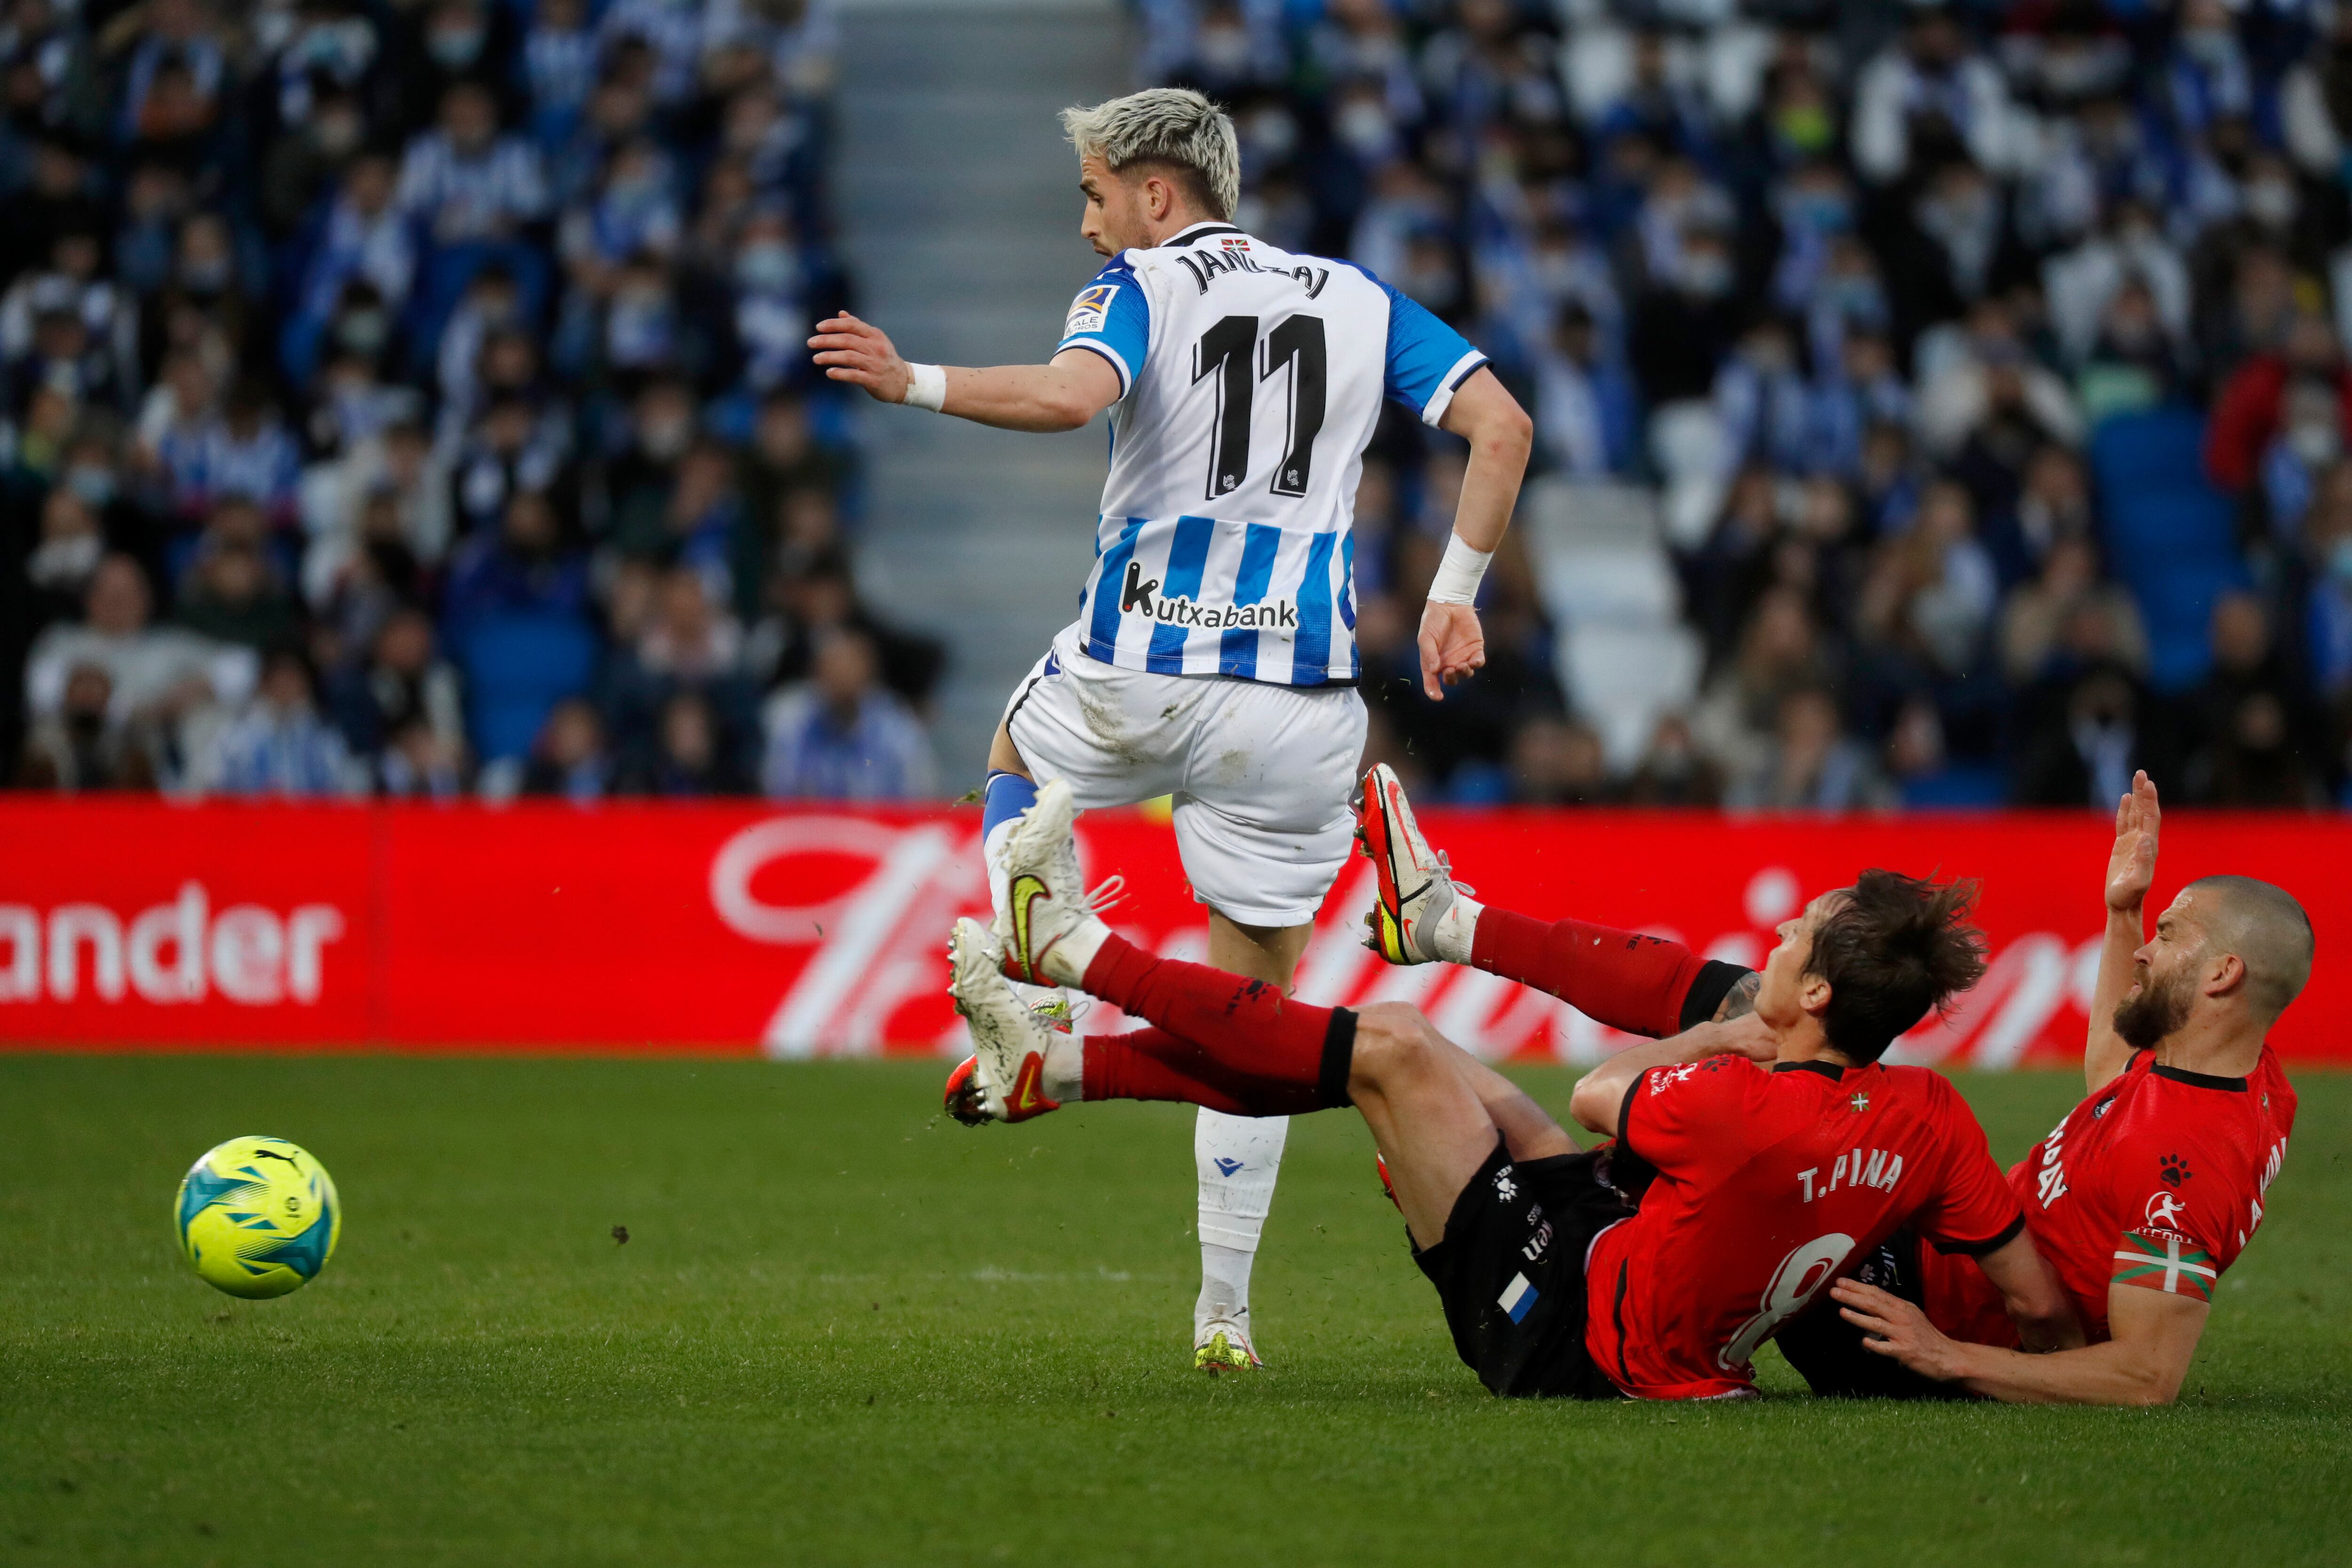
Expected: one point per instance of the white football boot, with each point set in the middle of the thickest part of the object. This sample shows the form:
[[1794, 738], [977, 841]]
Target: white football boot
[[1000, 1080], [1049, 929], [1416, 885], [1222, 1344]]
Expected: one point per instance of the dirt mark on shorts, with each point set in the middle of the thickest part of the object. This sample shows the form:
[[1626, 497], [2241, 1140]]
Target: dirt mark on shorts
[[1103, 719]]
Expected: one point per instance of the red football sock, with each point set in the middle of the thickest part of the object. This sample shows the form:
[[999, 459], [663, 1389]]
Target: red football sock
[[1620, 978], [1153, 1064], [1246, 1027]]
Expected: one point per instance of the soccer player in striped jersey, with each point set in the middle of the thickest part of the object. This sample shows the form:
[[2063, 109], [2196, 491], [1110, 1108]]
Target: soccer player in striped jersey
[[1214, 657], [2141, 1197]]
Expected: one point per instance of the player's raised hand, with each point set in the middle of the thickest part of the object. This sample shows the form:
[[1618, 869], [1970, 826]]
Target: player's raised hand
[[1895, 1328], [1453, 648], [860, 353], [2131, 865]]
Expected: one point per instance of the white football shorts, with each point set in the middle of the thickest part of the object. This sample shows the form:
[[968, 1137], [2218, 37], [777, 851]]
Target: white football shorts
[[1260, 774]]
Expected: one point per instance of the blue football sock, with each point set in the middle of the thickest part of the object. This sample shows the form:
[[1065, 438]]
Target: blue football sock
[[1003, 798]]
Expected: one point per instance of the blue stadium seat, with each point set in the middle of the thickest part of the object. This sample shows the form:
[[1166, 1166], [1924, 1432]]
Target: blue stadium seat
[[518, 665], [2171, 535]]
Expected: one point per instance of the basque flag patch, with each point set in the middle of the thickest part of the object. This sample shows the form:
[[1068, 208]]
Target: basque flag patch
[[1518, 1298]]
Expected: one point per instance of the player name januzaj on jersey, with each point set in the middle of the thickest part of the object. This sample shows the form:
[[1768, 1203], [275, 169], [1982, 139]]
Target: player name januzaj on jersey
[[1206, 267]]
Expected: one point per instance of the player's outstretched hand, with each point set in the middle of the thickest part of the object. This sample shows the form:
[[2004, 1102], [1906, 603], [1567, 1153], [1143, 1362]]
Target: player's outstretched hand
[[2131, 865], [859, 352], [1453, 648], [1894, 1327]]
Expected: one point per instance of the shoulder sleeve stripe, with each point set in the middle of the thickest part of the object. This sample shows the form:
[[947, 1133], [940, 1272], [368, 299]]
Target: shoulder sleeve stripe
[[1096, 346], [1978, 1248], [1463, 369]]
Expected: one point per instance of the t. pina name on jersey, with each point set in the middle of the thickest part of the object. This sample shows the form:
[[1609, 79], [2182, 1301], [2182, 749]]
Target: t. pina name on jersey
[[1207, 266], [1137, 594], [1852, 1172]]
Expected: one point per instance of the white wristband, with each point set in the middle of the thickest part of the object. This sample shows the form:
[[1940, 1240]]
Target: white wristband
[[926, 387], [1456, 582]]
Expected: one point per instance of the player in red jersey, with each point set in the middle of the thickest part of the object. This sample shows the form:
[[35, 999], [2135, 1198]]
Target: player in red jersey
[[1776, 1147], [2150, 1188], [2183, 1093]]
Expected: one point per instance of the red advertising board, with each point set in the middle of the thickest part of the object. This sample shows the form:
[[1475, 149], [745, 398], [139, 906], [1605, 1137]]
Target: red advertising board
[[821, 931]]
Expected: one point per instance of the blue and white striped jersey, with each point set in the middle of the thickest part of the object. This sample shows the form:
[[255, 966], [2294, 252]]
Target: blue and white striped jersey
[[1251, 381]]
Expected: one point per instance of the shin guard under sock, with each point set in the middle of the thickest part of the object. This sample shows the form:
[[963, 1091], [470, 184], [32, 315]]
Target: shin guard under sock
[[1641, 985], [1245, 1026]]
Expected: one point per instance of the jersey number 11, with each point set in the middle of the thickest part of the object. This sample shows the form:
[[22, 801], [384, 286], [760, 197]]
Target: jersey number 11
[[1231, 351]]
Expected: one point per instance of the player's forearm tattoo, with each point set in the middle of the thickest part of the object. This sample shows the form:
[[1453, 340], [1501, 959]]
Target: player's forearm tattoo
[[1740, 999]]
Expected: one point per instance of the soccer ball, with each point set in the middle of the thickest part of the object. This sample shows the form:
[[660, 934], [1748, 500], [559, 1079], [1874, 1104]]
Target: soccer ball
[[257, 1216]]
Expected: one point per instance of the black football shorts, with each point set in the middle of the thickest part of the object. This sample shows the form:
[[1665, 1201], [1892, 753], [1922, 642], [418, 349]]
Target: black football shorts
[[1510, 1273]]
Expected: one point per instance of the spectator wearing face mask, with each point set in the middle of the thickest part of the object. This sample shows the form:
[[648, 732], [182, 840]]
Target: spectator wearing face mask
[[365, 238], [2083, 751], [1587, 410], [84, 745], [1927, 95], [672, 30], [472, 190], [70, 321], [447, 44], [278, 745], [310, 158], [1683, 330], [62, 562], [559, 66], [2080, 283], [772, 311], [2252, 411], [1948, 248]]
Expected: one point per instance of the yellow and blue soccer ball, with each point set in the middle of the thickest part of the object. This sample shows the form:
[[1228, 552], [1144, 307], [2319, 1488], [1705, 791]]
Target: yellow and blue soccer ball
[[258, 1217]]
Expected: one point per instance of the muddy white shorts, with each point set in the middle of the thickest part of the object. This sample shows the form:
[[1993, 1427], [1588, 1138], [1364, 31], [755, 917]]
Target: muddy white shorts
[[1260, 774]]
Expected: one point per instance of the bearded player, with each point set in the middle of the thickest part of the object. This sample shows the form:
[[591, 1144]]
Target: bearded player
[[2141, 1198], [1775, 1148], [1213, 656], [2150, 1188]]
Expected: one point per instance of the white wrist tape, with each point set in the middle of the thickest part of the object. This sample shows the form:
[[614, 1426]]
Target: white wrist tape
[[926, 387], [1458, 574]]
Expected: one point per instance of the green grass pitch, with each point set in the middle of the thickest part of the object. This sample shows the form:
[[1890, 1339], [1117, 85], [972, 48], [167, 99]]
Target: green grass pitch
[[844, 1330]]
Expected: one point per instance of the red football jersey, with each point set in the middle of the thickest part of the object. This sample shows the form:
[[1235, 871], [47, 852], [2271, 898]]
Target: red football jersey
[[2155, 1182], [1769, 1183]]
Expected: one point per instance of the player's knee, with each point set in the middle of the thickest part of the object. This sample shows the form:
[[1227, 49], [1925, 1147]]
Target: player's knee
[[1393, 1040]]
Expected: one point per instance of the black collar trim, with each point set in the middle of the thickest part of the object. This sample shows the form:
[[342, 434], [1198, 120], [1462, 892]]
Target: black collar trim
[[1829, 1070], [2201, 1079], [1200, 231]]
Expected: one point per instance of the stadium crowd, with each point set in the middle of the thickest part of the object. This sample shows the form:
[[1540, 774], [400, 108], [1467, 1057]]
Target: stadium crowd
[[1918, 320], [408, 397]]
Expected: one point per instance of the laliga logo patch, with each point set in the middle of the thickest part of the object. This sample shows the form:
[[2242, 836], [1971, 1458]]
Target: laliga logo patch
[[1090, 309]]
